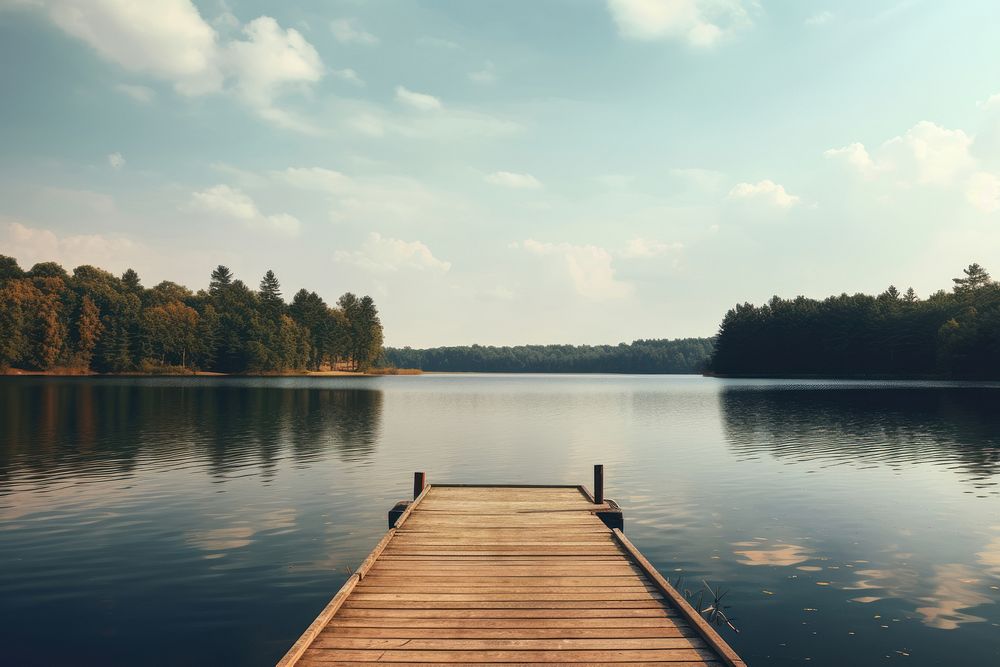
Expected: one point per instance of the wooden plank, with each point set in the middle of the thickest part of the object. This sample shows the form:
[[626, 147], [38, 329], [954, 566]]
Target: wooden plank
[[466, 657], [603, 622], [495, 612], [464, 632], [500, 596], [504, 604], [327, 641], [625, 663]]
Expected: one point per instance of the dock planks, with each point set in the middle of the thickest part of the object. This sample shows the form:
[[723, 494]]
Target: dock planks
[[507, 575]]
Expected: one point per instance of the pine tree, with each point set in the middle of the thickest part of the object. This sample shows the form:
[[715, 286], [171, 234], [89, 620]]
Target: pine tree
[[975, 279], [131, 281], [222, 277], [270, 296]]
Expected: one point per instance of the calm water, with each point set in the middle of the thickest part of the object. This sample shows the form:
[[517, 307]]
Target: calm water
[[207, 521]]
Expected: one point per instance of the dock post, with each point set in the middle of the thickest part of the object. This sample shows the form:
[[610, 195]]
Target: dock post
[[598, 484], [419, 482]]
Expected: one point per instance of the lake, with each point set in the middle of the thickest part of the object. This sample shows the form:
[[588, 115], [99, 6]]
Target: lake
[[199, 521]]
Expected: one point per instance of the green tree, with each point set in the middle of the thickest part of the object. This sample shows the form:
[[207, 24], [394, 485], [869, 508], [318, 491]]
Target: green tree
[[976, 278], [89, 329], [272, 305], [131, 281], [222, 277], [170, 332], [9, 269], [48, 270]]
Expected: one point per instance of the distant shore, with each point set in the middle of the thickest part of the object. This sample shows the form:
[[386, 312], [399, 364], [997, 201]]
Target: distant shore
[[76, 372]]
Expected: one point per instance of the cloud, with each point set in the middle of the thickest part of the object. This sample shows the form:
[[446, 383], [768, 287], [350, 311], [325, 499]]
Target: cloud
[[416, 100], [589, 268], [990, 103], [766, 190], [140, 94], [268, 62], [346, 31], [232, 203], [983, 191], [30, 245], [271, 58], [925, 154], [116, 160], [819, 19], [928, 155], [639, 248], [509, 179], [314, 178], [380, 254], [485, 75], [348, 75], [700, 23], [855, 155], [170, 41]]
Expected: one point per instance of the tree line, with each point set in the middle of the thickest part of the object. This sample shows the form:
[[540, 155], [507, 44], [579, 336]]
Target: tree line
[[685, 355], [94, 320], [952, 333]]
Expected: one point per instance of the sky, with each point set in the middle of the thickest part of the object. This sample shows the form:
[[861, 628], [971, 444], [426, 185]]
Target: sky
[[503, 172]]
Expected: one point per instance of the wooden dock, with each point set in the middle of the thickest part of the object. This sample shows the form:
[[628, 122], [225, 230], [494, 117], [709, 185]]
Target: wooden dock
[[508, 574]]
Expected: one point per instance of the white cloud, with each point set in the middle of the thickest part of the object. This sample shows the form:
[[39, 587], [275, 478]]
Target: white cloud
[[381, 254], [820, 18], [30, 245], [169, 40], [485, 75], [983, 191], [314, 178], [141, 94], [269, 61], [590, 268], [930, 155], [348, 75], [346, 31], [232, 203], [927, 154], [701, 23], [509, 179], [421, 101], [990, 103], [116, 160], [766, 190], [855, 155], [639, 248]]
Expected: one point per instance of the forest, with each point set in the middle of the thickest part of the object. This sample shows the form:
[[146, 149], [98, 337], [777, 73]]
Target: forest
[[684, 355], [952, 334], [92, 320]]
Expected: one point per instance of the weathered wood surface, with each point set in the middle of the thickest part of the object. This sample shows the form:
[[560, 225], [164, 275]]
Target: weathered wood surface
[[493, 575]]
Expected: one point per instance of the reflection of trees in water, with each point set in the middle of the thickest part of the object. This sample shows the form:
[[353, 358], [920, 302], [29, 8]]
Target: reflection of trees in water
[[90, 426], [892, 426]]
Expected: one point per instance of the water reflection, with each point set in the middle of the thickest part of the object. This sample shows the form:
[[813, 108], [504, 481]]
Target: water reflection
[[876, 425], [90, 427]]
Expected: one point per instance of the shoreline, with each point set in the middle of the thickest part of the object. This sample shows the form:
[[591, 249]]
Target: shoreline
[[378, 372]]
